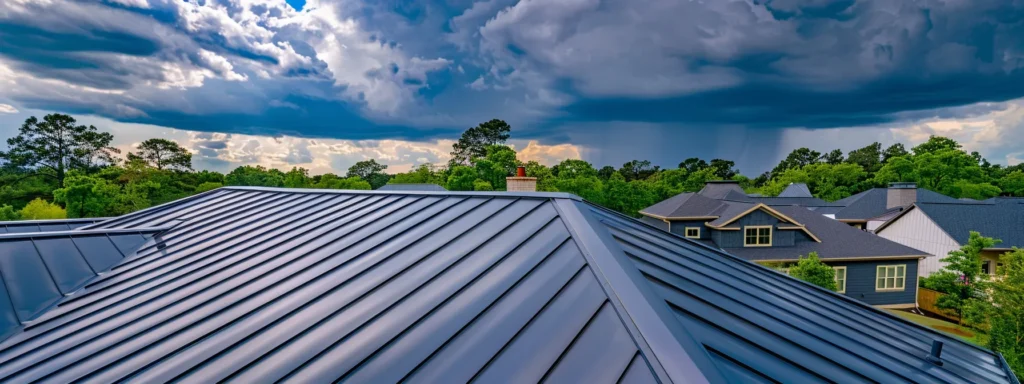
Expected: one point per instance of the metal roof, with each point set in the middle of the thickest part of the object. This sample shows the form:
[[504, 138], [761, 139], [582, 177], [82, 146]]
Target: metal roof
[[26, 226], [411, 187], [38, 269], [265, 284]]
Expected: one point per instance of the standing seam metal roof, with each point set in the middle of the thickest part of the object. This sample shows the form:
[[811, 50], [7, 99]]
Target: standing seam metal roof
[[261, 285]]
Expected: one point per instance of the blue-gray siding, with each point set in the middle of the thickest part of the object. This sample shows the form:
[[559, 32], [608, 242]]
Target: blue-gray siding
[[733, 239], [860, 282], [679, 228]]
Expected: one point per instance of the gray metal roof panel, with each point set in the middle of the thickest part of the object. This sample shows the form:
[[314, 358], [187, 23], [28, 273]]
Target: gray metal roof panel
[[327, 286], [411, 187], [27, 226], [764, 326], [257, 285]]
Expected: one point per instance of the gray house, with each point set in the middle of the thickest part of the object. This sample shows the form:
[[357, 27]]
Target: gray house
[[938, 228], [259, 285], [774, 231], [869, 209]]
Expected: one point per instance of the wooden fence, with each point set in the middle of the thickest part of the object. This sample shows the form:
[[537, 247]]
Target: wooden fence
[[927, 300]]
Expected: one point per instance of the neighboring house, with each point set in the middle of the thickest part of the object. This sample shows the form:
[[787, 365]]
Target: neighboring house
[[411, 187], [869, 209], [25, 226], [766, 230], [940, 228], [250, 284]]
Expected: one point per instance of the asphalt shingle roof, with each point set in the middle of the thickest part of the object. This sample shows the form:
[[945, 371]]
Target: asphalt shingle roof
[[263, 285], [796, 190], [686, 205], [872, 203], [1003, 220]]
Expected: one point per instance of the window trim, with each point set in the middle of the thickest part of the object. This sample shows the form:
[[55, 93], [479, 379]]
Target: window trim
[[846, 277], [686, 232], [895, 277], [771, 229]]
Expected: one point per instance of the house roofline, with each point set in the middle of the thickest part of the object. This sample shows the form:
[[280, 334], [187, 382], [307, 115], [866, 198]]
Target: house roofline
[[678, 218], [853, 258]]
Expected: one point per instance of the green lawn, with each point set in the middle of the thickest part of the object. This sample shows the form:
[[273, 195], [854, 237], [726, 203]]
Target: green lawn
[[964, 333]]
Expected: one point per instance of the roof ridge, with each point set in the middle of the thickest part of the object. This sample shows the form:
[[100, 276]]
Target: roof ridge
[[656, 328]]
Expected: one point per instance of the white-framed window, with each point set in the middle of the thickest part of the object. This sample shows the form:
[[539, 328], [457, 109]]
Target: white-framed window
[[840, 279], [692, 232], [757, 236], [891, 277]]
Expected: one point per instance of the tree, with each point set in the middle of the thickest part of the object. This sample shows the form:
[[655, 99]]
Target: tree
[[606, 172], [796, 159], [481, 185], [86, 196], [935, 144], [164, 154], [58, 145], [834, 157], [638, 170], [475, 140], [826, 181], [693, 164], [207, 186], [297, 178], [461, 178], [965, 263], [259, 176], [371, 171], [573, 168], [8, 213], [869, 157], [895, 150], [40, 209], [422, 174], [1006, 321], [332, 181], [1013, 183], [498, 163], [724, 169], [812, 270]]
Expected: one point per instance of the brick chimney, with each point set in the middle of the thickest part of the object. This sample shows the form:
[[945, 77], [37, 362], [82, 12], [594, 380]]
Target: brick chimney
[[521, 183], [900, 194]]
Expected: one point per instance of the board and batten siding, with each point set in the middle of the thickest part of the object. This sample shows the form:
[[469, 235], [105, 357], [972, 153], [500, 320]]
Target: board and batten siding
[[861, 277], [916, 230], [734, 239]]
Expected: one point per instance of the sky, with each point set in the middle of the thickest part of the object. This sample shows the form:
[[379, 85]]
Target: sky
[[322, 84]]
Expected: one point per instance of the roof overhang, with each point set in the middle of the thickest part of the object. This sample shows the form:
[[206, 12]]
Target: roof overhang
[[853, 258], [678, 218], [770, 211]]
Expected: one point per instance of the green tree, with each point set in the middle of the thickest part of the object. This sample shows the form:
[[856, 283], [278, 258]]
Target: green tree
[[371, 171], [573, 168], [628, 197], [826, 181], [895, 150], [812, 270], [297, 178], [724, 169], [637, 170], [461, 178], [86, 196], [499, 163], [422, 174], [259, 176], [40, 209], [332, 181], [834, 157], [606, 172], [965, 263], [1013, 183], [1006, 322], [164, 154], [475, 140], [58, 145], [869, 158], [796, 159], [482, 185], [693, 164], [207, 186], [8, 213], [936, 144], [544, 175]]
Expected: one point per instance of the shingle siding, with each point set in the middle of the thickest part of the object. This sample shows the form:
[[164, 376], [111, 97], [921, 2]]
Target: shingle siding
[[860, 282]]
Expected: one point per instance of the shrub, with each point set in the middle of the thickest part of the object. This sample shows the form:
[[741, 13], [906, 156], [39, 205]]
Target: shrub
[[812, 270], [40, 209]]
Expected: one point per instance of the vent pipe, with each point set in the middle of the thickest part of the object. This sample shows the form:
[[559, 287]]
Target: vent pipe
[[935, 356]]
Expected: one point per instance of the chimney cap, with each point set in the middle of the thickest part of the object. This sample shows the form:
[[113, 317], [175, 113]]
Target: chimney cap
[[903, 185]]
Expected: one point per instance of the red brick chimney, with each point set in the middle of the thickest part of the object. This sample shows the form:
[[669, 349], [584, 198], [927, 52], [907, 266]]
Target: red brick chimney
[[521, 183]]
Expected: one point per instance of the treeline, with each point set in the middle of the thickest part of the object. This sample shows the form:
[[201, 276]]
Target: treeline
[[55, 168]]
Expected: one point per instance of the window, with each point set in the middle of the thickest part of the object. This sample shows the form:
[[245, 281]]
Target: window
[[693, 232], [840, 279], [986, 267], [891, 278], [760, 236]]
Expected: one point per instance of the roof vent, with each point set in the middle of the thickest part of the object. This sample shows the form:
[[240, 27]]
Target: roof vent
[[934, 357]]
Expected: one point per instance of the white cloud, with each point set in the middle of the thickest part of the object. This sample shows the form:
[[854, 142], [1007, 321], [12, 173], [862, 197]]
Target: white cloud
[[7, 108], [997, 134]]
